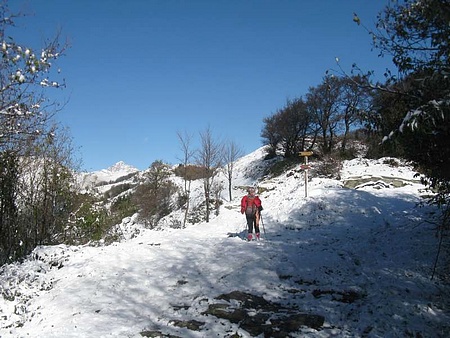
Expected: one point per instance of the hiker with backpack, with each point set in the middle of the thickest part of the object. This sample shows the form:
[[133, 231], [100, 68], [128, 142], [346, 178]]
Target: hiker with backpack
[[251, 206]]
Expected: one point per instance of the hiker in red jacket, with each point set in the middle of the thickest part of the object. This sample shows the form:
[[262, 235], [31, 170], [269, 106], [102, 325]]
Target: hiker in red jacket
[[251, 205]]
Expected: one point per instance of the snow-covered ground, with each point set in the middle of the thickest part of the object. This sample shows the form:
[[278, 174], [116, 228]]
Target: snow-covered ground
[[369, 244]]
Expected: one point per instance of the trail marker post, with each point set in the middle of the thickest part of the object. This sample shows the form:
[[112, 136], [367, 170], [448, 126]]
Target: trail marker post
[[306, 167]]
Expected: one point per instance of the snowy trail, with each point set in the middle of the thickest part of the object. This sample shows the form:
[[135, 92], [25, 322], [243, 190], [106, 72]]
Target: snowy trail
[[131, 283], [360, 258]]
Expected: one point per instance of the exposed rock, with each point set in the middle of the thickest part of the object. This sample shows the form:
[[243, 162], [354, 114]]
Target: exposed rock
[[257, 316], [193, 325], [349, 296], [157, 334]]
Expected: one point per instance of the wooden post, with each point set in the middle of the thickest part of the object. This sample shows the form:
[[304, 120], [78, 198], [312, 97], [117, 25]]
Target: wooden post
[[306, 176], [305, 154]]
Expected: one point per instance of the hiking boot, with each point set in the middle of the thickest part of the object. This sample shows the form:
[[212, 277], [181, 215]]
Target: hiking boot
[[257, 236], [250, 237]]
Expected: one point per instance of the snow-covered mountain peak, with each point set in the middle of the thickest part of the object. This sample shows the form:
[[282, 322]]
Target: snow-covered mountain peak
[[121, 166], [109, 175]]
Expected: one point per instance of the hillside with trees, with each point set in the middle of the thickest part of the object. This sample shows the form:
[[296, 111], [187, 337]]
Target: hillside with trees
[[406, 116]]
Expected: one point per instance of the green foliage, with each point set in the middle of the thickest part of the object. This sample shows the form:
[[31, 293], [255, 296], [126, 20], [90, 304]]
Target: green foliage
[[416, 108], [36, 173], [123, 207], [9, 179], [117, 190], [154, 197], [88, 221], [118, 180], [197, 215], [91, 220], [416, 34], [125, 177]]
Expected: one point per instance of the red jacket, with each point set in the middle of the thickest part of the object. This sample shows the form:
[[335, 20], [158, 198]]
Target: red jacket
[[244, 200]]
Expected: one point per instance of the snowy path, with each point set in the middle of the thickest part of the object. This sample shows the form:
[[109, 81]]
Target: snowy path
[[360, 258]]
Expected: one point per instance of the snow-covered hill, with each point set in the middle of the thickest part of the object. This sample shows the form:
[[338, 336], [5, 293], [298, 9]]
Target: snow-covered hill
[[343, 262], [102, 180]]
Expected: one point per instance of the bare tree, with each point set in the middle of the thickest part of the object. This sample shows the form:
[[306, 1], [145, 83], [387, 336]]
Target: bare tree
[[355, 101], [188, 153], [295, 127], [324, 104], [291, 128], [232, 153], [271, 135], [210, 159]]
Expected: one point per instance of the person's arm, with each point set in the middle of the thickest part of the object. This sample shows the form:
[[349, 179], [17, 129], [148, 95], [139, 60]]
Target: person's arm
[[258, 203], [243, 204]]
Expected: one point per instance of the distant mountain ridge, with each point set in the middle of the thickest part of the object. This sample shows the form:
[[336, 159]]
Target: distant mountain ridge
[[121, 166], [90, 180]]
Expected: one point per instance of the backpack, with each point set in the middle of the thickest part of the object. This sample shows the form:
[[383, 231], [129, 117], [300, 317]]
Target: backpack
[[250, 205]]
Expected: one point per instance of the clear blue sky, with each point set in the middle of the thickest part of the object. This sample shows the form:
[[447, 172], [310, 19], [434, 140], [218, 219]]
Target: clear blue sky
[[138, 71]]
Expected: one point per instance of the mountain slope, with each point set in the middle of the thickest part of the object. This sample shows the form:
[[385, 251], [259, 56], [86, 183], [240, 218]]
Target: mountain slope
[[101, 181], [360, 259]]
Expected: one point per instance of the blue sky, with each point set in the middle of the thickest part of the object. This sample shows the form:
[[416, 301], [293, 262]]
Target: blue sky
[[138, 71]]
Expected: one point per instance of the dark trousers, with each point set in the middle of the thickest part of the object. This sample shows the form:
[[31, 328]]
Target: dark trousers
[[251, 222]]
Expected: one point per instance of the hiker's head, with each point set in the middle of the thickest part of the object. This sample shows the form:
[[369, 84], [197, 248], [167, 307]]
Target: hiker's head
[[251, 191]]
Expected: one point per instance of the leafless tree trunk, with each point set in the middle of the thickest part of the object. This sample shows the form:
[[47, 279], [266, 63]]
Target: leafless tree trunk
[[210, 158], [355, 100], [188, 153], [323, 101], [232, 153]]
